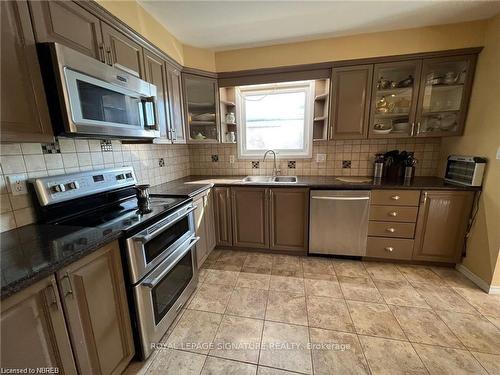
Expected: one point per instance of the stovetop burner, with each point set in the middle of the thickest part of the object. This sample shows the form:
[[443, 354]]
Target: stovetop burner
[[126, 215]]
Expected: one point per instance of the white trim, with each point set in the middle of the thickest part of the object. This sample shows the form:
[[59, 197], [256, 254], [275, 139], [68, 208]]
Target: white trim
[[306, 151], [490, 289]]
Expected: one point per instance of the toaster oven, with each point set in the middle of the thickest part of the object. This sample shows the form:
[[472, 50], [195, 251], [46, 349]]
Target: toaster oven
[[465, 170]]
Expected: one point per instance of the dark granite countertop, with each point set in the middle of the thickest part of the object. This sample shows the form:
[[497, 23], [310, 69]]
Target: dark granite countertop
[[192, 185], [33, 252]]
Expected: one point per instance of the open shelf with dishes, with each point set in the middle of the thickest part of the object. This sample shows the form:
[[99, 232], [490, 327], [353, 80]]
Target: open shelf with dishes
[[321, 109], [227, 104]]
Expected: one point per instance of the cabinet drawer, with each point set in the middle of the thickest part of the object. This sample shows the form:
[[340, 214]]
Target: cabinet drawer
[[390, 248], [391, 229], [393, 213], [396, 197]]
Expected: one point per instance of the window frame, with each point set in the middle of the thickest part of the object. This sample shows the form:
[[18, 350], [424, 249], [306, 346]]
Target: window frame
[[265, 89]]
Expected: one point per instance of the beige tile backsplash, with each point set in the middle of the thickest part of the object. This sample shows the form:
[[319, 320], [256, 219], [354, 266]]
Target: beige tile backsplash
[[360, 153], [28, 160]]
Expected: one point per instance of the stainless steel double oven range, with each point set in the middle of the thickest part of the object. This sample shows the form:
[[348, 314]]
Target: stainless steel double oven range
[[158, 244]]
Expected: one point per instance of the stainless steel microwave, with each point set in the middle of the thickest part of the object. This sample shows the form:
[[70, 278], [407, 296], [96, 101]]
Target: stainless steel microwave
[[465, 170], [89, 98]]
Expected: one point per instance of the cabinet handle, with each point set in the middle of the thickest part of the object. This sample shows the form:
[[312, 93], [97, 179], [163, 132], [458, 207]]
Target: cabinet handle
[[50, 296], [425, 198], [412, 129], [393, 214], [390, 230], [395, 197], [418, 128], [101, 53], [110, 56], [389, 249], [69, 290]]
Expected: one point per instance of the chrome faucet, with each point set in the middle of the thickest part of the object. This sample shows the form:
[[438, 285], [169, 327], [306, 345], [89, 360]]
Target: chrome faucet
[[276, 171]]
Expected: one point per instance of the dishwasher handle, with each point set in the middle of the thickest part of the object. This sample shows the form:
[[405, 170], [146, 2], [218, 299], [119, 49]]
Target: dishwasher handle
[[342, 198]]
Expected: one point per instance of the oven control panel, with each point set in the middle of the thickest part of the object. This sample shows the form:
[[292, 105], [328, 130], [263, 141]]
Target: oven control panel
[[55, 189]]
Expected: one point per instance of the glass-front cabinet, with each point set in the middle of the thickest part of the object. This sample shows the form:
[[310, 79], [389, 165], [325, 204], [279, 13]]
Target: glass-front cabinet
[[201, 102], [445, 86], [394, 99]]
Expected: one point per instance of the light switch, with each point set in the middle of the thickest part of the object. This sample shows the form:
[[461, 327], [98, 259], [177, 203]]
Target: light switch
[[498, 153]]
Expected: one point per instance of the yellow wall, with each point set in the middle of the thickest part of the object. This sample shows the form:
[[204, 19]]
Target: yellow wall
[[199, 58], [481, 138], [461, 35], [135, 16]]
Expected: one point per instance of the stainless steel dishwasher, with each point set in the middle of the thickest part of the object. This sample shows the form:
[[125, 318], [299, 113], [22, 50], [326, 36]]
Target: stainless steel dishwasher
[[338, 222]]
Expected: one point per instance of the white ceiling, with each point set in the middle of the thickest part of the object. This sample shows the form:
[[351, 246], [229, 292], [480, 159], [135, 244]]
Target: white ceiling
[[223, 25]]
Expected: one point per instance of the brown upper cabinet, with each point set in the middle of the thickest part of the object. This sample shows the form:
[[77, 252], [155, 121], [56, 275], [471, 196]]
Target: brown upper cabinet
[[445, 89], [201, 102], [250, 217], [394, 99], [351, 89], [95, 304], [34, 331], [175, 104], [441, 225], [121, 51], [24, 116], [222, 215], [155, 73], [67, 23]]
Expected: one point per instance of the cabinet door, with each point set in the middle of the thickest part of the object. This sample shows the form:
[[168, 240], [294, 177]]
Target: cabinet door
[[351, 90], [441, 225], [209, 221], [444, 95], [33, 330], [67, 23], [155, 73], [199, 220], [123, 52], [93, 294], [222, 214], [289, 212], [175, 103], [250, 217], [394, 99], [24, 116], [201, 103]]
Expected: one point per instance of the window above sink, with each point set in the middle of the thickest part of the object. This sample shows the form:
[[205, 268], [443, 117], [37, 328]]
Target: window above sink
[[275, 116]]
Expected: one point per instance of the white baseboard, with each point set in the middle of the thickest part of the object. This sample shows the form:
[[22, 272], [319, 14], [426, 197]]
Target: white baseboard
[[490, 289]]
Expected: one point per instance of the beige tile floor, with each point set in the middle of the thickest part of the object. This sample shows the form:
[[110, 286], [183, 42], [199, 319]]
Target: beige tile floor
[[267, 314]]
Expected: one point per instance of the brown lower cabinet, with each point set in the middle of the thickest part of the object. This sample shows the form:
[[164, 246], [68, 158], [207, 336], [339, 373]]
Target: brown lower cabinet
[[33, 330], [262, 218], [441, 225], [222, 215], [204, 225], [289, 217], [250, 213], [87, 306]]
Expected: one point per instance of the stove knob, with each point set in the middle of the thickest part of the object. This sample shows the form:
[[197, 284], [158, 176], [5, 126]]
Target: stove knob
[[69, 247], [59, 188], [73, 185]]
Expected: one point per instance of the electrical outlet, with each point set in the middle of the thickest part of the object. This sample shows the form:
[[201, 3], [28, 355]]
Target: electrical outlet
[[498, 153], [231, 159], [17, 183], [320, 158]]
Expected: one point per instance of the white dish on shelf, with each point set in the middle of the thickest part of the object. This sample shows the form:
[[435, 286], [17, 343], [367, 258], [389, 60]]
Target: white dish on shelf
[[401, 126], [382, 129]]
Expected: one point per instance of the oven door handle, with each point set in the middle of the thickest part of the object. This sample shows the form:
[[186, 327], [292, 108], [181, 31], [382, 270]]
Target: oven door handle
[[152, 282], [150, 236]]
